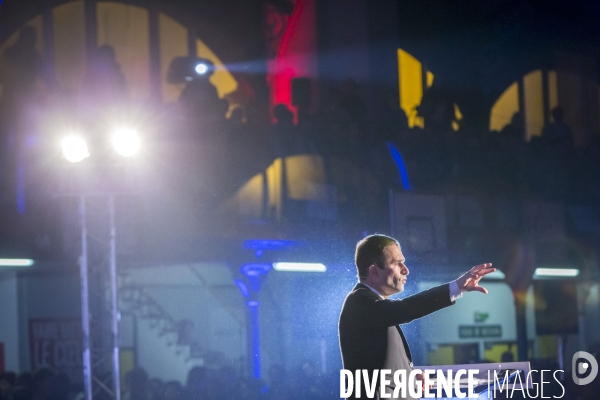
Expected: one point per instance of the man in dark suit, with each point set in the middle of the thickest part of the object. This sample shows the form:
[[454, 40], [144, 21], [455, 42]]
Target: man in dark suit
[[369, 327]]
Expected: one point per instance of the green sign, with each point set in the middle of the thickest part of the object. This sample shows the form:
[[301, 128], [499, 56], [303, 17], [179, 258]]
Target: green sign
[[479, 331], [481, 316]]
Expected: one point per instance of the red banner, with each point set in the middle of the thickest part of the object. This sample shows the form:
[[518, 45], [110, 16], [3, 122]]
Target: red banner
[[56, 343]]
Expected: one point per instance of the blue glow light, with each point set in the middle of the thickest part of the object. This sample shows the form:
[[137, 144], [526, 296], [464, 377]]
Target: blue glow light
[[255, 269], [269, 244], [243, 287], [20, 178], [397, 157], [256, 364]]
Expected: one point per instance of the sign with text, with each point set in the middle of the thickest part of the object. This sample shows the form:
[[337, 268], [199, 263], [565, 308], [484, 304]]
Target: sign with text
[[496, 309], [56, 343], [479, 331]]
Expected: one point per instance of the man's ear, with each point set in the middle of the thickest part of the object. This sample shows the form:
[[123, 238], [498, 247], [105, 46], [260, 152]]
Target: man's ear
[[372, 271]]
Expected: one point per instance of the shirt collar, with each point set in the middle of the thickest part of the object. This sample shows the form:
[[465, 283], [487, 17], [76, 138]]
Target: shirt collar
[[379, 294]]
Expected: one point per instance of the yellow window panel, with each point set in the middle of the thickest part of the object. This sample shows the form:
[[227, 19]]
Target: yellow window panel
[[534, 103], [552, 90], [494, 353], [410, 79], [247, 201], [504, 108], [274, 174], [429, 79], [457, 117], [457, 114], [442, 355], [69, 45], [305, 177], [173, 43]]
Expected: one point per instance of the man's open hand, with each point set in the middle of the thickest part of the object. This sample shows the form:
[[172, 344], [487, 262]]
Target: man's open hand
[[469, 282]]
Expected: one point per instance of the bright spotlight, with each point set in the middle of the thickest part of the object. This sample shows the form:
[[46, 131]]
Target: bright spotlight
[[201, 68], [556, 272], [299, 267], [74, 148], [126, 142], [16, 262]]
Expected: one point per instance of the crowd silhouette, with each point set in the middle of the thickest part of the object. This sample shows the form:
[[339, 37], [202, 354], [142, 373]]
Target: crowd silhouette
[[445, 154], [202, 383], [301, 382]]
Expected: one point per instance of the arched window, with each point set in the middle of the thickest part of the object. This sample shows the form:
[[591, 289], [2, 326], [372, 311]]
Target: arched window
[[143, 42], [535, 95], [413, 81]]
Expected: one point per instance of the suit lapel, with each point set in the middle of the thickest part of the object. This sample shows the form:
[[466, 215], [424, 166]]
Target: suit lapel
[[406, 348]]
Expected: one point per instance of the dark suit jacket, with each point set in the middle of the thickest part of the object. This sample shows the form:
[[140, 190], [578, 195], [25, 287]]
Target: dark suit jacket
[[370, 335]]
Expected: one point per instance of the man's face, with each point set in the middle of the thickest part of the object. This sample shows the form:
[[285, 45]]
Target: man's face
[[391, 279]]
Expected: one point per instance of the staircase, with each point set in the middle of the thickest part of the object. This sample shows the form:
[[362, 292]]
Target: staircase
[[186, 315], [174, 352]]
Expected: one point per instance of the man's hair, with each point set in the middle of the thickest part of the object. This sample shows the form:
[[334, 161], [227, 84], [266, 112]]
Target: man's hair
[[369, 251]]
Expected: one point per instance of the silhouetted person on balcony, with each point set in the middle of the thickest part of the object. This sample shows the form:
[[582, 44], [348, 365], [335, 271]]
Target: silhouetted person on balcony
[[352, 101], [332, 124], [392, 121], [558, 132], [235, 130], [203, 108], [515, 131], [283, 116], [21, 66], [237, 117], [437, 110], [286, 136], [104, 83]]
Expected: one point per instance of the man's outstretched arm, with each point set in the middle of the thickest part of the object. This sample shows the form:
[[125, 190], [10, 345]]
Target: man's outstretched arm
[[394, 312]]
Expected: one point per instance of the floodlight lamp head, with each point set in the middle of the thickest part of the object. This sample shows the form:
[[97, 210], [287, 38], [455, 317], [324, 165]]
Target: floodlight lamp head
[[74, 148], [201, 68], [126, 142]]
